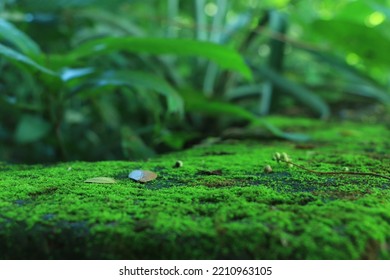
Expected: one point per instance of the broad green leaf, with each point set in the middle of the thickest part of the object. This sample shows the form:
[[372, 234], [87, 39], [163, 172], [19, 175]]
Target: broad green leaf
[[31, 128], [143, 80], [299, 92], [13, 35], [15, 56], [197, 102], [224, 56], [101, 180]]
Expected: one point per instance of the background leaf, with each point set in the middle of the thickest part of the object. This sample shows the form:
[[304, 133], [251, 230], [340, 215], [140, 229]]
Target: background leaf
[[225, 57], [13, 35], [142, 80], [299, 92], [196, 102], [15, 56], [31, 128]]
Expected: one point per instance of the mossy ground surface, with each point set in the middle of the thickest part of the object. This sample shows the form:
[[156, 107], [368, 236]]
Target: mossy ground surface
[[48, 212]]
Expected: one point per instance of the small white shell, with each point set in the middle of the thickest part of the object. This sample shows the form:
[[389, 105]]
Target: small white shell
[[136, 175], [142, 176]]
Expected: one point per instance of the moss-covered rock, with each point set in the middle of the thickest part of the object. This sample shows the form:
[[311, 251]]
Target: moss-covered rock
[[219, 205]]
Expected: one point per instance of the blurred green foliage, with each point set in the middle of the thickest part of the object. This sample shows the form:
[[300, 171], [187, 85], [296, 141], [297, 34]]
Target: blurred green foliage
[[105, 79]]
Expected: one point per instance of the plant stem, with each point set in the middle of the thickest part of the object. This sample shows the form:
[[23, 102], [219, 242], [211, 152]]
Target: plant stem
[[338, 172]]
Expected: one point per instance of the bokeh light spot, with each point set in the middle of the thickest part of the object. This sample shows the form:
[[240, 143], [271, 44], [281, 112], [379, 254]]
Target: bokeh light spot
[[352, 59], [210, 9], [375, 19]]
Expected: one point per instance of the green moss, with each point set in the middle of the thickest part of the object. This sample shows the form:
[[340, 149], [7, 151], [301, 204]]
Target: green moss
[[194, 212]]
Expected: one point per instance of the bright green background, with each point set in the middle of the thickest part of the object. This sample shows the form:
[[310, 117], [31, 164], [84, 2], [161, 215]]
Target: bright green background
[[96, 80]]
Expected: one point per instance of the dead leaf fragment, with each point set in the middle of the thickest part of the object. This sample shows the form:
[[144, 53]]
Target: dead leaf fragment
[[142, 176], [305, 146], [101, 180], [210, 172]]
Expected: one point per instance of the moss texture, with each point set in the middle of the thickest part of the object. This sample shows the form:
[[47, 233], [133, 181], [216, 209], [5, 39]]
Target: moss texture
[[218, 205]]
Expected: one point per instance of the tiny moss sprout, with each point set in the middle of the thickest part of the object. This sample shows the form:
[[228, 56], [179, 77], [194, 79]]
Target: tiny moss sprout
[[285, 158], [267, 169]]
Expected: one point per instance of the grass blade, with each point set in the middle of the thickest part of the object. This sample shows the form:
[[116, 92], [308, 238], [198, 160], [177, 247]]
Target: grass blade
[[278, 26], [215, 36], [358, 79], [15, 56], [13, 35], [173, 9], [201, 22]]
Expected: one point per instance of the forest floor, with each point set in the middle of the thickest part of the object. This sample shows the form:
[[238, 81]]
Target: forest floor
[[220, 204]]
